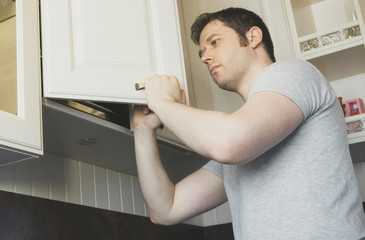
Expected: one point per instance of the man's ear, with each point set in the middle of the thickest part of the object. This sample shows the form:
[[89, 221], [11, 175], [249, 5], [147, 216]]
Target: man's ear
[[254, 36]]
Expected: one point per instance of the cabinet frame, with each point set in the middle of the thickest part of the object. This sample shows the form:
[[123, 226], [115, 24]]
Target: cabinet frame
[[23, 132]]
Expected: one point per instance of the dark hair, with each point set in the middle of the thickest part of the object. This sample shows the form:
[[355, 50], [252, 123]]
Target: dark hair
[[239, 19]]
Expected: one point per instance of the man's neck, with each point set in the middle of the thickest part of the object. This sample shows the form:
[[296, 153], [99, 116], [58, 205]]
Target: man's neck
[[251, 77]]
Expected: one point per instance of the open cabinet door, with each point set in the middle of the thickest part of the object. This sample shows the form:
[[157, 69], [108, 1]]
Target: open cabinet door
[[98, 50], [20, 111]]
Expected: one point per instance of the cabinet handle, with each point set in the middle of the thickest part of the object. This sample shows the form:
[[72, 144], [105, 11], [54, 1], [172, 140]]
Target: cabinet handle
[[139, 86]]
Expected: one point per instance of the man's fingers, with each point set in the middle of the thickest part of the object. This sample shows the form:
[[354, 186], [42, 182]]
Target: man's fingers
[[183, 96], [146, 110]]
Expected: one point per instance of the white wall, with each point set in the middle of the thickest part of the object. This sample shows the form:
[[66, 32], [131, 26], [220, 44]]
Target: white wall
[[67, 180], [350, 87]]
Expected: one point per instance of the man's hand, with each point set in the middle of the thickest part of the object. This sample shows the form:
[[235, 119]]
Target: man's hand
[[161, 88], [144, 119]]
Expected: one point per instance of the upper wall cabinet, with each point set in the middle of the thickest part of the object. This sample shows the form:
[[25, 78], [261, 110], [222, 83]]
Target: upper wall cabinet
[[20, 101], [321, 27], [98, 50]]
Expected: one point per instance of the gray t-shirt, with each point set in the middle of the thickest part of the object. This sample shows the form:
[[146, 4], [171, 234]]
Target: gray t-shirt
[[305, 186]]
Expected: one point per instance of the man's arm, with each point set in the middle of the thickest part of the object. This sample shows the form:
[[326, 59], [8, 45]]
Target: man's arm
[[169, 204], [261, 123]]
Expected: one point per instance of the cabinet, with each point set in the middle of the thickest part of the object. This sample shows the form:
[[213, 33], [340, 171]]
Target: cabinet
[[327, 33], [21, 127], [98, 50], [331, 35], [322, 27]]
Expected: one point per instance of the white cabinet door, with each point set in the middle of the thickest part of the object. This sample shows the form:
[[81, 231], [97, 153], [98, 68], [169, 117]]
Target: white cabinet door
[[20, 128], [98, 50]]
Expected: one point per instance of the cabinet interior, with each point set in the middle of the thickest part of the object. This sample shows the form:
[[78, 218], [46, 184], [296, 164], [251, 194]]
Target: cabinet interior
[[309, 17], [117, 113], [342, 64]]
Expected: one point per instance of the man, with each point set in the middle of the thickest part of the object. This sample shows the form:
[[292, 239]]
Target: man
[[282, 159]]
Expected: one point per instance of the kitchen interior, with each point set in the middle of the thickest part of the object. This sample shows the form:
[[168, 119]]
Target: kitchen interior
[[67, 146]]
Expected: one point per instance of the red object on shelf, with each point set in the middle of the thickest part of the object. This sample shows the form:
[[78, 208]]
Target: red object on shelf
[[355, 106]]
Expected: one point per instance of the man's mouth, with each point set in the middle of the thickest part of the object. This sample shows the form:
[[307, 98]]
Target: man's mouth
[[213, 69]]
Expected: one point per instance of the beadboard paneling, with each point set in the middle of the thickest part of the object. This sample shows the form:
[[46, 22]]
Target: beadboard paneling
[[87, 184], [23, 178], [57, 178], [127, 194], [67, 180], [7, 178], [101, 187], [115, 196], [40, 178], [73, 183]]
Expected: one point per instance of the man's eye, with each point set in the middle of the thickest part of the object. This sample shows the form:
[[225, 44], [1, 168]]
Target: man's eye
[[214, 42]]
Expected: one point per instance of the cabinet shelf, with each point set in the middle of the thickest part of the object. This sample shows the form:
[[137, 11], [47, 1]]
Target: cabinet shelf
[[332, 40], [334, 47], [322, 27]]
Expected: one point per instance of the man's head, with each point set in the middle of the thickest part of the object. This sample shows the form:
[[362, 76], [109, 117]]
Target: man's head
[[239, 19]]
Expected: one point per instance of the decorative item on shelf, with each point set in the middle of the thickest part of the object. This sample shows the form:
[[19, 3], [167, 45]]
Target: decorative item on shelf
[[342, 105], [352, 32], [309, 45], [327, 39], [355, 106], [355, 126], [331, 38]]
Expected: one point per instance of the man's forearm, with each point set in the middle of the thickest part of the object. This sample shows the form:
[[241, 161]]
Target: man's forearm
[[202, 131], [156, 187]]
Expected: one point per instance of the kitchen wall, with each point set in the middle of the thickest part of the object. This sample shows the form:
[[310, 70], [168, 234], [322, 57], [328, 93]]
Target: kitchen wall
[[67, 180]]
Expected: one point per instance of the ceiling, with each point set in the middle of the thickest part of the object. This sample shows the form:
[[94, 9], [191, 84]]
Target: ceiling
[[114, 149]]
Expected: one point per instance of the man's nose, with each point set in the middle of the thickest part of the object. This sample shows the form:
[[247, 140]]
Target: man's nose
[[206, 57]]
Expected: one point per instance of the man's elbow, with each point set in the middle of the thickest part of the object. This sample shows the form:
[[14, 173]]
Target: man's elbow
[[229, 154], [165, 221]]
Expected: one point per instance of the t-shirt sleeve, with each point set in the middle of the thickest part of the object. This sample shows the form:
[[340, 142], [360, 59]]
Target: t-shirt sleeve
[[299, 81], [214, 167]]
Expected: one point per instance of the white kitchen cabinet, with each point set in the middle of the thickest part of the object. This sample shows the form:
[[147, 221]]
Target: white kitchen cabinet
[[98, 50], [21, 127], [322, 27]]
